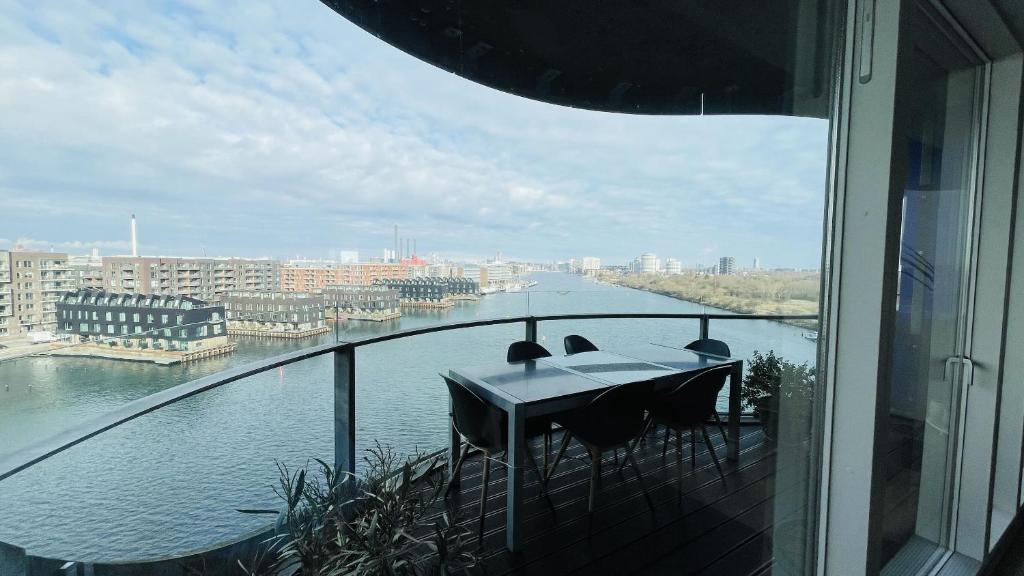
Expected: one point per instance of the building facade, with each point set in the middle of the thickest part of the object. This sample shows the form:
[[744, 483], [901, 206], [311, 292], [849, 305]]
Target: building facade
[[141, 321], [673, 266], [31, 283], [491, 276], [250, 312], [299, 278], [648, 264], [590, 265], [431, 291], [202, 278], [86, 271], [376, 302], [726, 265]]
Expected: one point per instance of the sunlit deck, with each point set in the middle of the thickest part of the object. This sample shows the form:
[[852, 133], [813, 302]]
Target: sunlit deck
[[715, 529]]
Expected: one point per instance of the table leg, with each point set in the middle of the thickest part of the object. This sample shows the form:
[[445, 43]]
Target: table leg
[[516, 446], [735, 410], [454, 448]]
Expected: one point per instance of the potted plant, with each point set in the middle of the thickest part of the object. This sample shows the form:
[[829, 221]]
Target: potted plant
[[334, 523], [771, 380]]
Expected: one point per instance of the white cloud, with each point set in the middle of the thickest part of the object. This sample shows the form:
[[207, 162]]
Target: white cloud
[[278, 127]]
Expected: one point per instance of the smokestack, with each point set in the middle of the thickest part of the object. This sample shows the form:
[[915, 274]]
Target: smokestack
[[413, 246], [394, 257], [407, 254], [135, 243]]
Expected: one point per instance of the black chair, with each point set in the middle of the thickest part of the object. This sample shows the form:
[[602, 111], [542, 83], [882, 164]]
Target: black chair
[[485, 428], [526, 350], [718, 348], [689, 405], [710, 346], [574, 344], [612, 420]]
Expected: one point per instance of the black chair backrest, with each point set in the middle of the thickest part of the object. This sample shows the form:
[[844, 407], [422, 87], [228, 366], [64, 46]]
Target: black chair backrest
[[574, 344], [710, 346], [616, 415], [483, 425], [693, 401], [526, 350]]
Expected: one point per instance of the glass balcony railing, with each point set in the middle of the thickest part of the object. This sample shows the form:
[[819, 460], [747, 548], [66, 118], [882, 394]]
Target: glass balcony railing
[[192, 444]]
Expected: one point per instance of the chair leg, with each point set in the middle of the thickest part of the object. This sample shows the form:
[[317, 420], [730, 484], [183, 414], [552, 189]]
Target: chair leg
[[595, 476], [721, 426], [714, 457], [483, 497], [693, 447], [456, 470], [664, 443], [547, 448], [636, 442], [558, 457], [536, 470], [679, 465], [639, 477]]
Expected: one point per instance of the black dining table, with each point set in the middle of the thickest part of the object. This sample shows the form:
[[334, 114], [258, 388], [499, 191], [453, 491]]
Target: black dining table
[[557, 383]]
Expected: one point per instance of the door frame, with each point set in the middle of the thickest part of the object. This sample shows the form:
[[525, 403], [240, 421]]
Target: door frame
[[853, 359]]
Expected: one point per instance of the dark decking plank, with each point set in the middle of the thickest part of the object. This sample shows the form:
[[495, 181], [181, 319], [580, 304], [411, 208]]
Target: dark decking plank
[[633, 522]]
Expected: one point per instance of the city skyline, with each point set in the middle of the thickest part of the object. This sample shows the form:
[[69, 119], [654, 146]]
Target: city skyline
[[254, 130]]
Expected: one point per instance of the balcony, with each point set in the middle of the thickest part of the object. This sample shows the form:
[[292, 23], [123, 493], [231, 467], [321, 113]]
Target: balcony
[[693, 508]]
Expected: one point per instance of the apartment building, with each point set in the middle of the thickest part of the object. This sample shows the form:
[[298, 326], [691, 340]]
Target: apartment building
[[251, 312], [300, 278], [377, 302], [202, 278], [31, 283], [141, 321]]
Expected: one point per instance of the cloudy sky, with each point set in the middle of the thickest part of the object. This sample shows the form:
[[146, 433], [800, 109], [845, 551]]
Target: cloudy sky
[[277, 128]]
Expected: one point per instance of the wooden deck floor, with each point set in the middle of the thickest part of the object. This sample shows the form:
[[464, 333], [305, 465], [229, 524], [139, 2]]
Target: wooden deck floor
[[710, 527]]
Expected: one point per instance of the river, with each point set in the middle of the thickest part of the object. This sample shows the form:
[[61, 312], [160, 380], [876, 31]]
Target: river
[[170, 482]]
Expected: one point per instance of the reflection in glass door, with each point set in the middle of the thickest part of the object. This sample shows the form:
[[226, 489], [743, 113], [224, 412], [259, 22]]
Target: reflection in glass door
[[939, 104]]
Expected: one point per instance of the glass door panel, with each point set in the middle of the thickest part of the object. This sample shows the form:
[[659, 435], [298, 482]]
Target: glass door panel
[[939, 103]]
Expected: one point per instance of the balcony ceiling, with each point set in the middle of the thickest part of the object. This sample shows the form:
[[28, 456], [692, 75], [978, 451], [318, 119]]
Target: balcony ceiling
[[629, 56]]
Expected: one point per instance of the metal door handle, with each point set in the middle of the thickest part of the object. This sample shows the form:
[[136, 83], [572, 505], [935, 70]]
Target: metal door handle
[[963, 361], [945, 369], [968, 363]]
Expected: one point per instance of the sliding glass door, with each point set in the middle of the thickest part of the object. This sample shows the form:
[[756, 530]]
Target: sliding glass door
[[936, 137]]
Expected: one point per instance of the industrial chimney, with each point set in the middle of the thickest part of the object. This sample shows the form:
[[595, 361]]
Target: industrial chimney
[[135, 244]]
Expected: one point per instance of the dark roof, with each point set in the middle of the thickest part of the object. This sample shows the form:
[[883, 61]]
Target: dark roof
[[633, 56]]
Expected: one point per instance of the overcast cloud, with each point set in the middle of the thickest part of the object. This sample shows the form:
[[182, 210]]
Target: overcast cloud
[[258, 128]]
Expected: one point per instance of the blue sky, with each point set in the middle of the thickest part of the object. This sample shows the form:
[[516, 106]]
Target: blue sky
[[279, 129]]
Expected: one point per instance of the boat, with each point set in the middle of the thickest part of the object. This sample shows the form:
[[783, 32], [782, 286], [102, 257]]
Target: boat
[[812, 336]]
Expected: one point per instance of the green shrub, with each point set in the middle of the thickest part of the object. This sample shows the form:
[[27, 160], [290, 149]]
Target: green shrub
[[772, 378], [337, 525]]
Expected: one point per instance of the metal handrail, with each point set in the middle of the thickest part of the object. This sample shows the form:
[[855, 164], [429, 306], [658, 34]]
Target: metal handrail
[[31, 455]]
